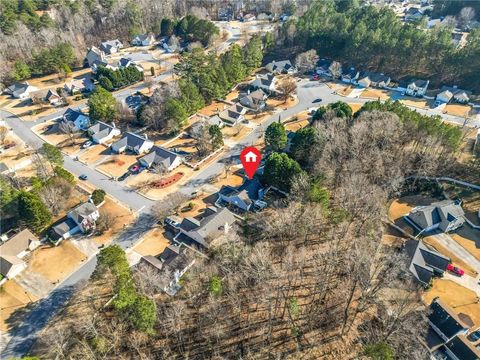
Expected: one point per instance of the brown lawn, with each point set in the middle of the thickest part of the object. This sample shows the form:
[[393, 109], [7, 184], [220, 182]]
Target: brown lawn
[[257, 118], [296, 125], [213, 108], [16, 153], [355, 107], [123, 217], [94, 154], [455, 260], [457, 109], [12, 298], [462, 300], [56, 262], [185, 144], [236, 132], [469, 239], [117, 165], [54, 80], [398, 209], [160, 193], [153, 243], [144, 177], [415, 102], [370, 93], [234, 179], [345, 91], [75, 198], [281, 103], [55, 137], [232, 96]]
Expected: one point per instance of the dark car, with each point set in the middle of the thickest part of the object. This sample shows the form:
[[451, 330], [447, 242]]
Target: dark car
[[317, 100], [474, 336], [124, 176], [83, 177]]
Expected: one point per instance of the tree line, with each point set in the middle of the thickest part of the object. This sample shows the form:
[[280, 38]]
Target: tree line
[[115, 79], [25, 12], [374, 38], [190, 28]]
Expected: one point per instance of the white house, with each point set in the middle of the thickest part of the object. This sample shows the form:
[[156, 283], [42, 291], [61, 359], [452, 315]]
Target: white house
[[163, 157], [267, 83], [13, 250], [453, 93], [77, 86], [102, 132], [417, 87], [78, 118], [94, 54], [111, 47], [81, 219], [143, 40], [20, 90], [132, 142], [254, 100]]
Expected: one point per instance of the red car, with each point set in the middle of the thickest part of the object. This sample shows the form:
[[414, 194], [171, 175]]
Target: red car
[[134, 168], [455, 270]]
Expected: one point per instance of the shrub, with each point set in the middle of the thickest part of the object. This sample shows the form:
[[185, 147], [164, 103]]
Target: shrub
[[64, 174], [215, 286], [98, 196]]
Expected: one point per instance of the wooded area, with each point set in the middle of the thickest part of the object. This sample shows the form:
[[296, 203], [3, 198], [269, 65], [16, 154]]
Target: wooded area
[[309, 277]]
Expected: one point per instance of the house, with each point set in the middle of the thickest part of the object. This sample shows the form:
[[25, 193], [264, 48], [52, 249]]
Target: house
[[172, 264], [281, 67], [417, 87], [254, 100], [323, 67], [111, 47], [13, 250], [161, 156], [446, 215], [94, 54], [132, 142], [77, 86], [413, 14], [127, 62], [233, 114], [267, 83], [102, 132], [112, 65], [460, 348], [200, 233], [446, 337], [368, 78], [249, 17], [350, 75], [425, 263], [246, 197], [143, 40], [20, 90], [196, 130], [78, 118], [82, 218], [47, 96], [448, 94]]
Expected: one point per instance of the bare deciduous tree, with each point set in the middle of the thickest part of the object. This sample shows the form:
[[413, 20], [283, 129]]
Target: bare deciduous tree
[[306, 61], [287, 87], [68, 128], [335, 69]]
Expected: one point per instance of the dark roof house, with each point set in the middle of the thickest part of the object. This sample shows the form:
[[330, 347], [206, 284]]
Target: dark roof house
[[245, 197], [425, 262], [444, 321], [160, 155], [201, 232], [281, 67], [446, 215], [133, 142]]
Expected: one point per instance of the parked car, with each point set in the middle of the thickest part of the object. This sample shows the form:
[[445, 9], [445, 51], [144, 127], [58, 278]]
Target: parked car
[[83, 177], [455, 270], [171, 222], [317, 100], [134, 168], [474, 336], [315, 77], [87, 144]]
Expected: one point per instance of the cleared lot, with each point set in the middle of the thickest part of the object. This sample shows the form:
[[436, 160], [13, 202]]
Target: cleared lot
[[12, 298], [57, 262], [117, 165], [370, 93], [457, 109], [153, 243], [462, 300], [94, 154]]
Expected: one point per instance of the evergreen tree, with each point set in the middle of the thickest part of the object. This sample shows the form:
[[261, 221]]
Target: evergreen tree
[[21, 71], [280, 171], [275, 137], [33, 211], [102, 105], [216, 136]]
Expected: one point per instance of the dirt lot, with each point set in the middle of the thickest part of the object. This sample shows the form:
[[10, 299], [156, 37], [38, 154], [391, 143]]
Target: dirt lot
[[457, 109], [236, 132], [462, 300], [122, 216], [455, 260], [55, 137], [117, 164], [469, 239], [232, 96], [12, 298], [370, 93], [345, 91], [153, 243], [213, 108], [183, 145], [282, 104], [415, 102], [94, 154], [56, 262]]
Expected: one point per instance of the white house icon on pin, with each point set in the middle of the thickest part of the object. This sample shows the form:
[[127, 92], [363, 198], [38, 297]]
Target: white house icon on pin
[[251, 157]]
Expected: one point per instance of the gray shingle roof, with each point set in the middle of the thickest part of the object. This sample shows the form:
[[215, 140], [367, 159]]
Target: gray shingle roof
[[424, 261], [441, 212], [18, 243], [72, 115], [64, 227], [7, 262], [279, 66], [160, 155], [131, 140], [82, 211]]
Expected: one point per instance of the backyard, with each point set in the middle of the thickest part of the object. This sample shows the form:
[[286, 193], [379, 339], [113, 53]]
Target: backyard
[[153, 243], [122, 218]]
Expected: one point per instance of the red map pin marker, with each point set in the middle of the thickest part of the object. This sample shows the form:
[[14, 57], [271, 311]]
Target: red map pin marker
[[250, 158]]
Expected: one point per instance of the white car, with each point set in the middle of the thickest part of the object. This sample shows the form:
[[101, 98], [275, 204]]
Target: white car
[[87, 144]]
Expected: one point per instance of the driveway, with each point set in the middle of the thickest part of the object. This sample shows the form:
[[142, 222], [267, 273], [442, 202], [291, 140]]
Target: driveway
[[446, 241]]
